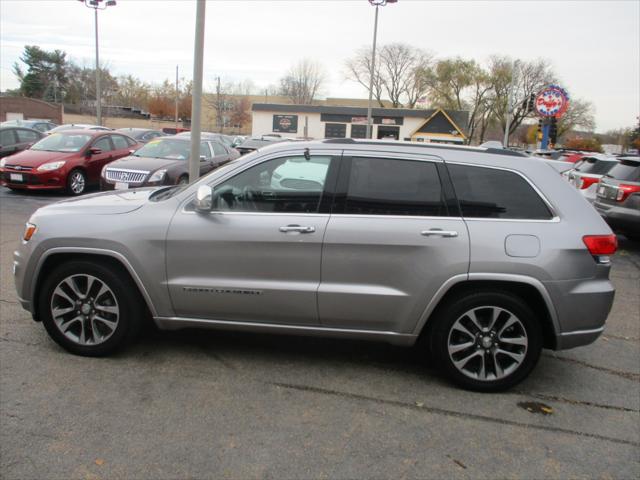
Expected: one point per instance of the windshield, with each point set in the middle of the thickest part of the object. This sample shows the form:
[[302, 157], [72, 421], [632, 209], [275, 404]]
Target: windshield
[[595, 166], [626, 170], [166, 148], [61, 142]]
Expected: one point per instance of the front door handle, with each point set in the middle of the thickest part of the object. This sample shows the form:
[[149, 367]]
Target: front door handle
[[297, 228], [437, 232]]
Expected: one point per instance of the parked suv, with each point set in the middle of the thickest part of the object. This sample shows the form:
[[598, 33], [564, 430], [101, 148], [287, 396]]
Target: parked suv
[[480, 256], [588, 172], [618, 199]]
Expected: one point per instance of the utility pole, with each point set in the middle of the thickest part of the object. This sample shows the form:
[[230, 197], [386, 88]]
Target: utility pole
[[196, 105], [177, 96]]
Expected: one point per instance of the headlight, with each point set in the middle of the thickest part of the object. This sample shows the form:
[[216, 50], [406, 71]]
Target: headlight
[[46, 167], [103, 173], [158, 175], [2, 162]]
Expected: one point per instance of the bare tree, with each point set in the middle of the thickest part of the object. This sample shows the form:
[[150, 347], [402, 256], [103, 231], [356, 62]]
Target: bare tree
[[398, 73], [579, 114], [529, 79], [303, 82]]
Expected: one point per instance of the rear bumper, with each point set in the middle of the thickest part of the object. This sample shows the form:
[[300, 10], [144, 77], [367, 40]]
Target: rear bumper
[[582, 308], [568, 340]]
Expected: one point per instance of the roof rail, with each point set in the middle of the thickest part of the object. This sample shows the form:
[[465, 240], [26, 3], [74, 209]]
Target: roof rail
[[495, 151]]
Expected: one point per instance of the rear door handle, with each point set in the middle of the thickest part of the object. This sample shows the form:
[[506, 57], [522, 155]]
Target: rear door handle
[[297, 228], [437, 232]]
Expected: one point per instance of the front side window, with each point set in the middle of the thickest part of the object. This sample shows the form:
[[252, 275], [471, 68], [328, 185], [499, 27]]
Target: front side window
[[103, 144], [380, 186], [63, 142], [205, 150], [283, 185], [491, 193]]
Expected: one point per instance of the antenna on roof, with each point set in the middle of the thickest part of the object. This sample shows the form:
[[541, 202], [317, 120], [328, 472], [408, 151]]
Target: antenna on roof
[[307, 155]]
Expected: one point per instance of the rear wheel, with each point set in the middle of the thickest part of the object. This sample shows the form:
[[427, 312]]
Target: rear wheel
[[487, 341], [89, 308], [76, 182]]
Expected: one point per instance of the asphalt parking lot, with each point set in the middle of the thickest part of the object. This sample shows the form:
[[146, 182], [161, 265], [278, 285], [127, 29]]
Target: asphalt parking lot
[[206, 404]]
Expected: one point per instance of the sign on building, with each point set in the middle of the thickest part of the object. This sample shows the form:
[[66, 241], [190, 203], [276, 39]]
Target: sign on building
[[285, 123]]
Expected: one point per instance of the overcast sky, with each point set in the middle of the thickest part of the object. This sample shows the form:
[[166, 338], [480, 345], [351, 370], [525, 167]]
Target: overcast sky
[[594, 46]]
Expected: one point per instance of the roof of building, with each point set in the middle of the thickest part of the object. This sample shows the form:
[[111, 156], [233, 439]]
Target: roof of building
[[458, 116]]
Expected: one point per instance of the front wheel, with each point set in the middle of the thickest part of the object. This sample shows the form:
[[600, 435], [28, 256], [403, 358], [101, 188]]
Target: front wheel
[[487, 341], [89, 308], [76, 182]]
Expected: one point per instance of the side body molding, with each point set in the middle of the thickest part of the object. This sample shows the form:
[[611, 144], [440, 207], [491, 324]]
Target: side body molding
[[92, 251]]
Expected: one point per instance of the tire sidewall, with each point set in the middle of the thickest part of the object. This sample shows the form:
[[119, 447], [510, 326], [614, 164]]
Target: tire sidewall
[[130, 311], [446, 318]]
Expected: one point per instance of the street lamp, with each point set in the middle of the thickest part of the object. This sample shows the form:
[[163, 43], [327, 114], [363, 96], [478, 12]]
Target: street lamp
[[377, 4], [98, 5]]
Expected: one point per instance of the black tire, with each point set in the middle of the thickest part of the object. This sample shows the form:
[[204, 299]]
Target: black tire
[[75, 188], [447, 316], [131, 310]]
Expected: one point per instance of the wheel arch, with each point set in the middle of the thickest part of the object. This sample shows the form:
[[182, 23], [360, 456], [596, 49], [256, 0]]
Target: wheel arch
[[57, 256], [528, 289]]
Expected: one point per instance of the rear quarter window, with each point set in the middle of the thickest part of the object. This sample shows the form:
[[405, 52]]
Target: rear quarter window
[[491, 193]]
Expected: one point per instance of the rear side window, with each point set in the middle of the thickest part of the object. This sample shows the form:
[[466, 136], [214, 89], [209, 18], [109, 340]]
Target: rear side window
[[491, 193], [27, 136], [380, 186], [626, 170], [119, 142], [7, 138]]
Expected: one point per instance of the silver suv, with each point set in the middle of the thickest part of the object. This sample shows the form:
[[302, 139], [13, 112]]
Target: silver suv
[[478, 256]]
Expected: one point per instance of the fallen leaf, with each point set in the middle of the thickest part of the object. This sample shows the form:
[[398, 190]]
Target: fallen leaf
[[419, 404], [99, 461]]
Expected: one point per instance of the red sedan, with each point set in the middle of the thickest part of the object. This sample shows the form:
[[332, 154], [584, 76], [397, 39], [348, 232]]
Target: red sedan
[[70, 160]]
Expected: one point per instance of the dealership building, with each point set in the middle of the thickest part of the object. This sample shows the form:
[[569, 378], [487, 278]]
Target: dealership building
[[326, 121]]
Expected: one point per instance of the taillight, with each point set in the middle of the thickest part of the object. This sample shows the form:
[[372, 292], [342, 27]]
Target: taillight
[[601, 244], [625, 190], [586, 182]]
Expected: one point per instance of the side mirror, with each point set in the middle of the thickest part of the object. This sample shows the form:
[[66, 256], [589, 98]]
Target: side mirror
[[203, 158], [94, 151], [204, 199], [131, 152]]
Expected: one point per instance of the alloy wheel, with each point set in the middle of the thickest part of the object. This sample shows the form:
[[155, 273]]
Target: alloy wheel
[[487, 343], [85, 309], [77, 182]]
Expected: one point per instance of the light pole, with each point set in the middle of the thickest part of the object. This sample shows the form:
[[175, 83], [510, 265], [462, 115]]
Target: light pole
[[196, 99], [98, 5], [377, 4]]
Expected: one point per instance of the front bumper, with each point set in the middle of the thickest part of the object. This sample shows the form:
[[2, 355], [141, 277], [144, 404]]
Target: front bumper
[[33, 180]]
